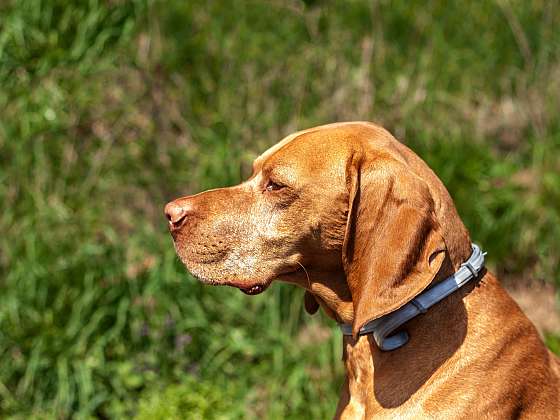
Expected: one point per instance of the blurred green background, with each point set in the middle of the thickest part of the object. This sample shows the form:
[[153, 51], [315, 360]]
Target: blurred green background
[[108, 109]]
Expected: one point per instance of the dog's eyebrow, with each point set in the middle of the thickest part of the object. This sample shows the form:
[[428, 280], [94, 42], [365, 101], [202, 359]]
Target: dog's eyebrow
[[268, 170], [281, 174], [256, 167], [271, 169], [257, 164]]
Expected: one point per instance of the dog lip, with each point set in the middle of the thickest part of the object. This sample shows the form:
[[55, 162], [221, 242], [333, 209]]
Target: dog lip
[[258, 288], [251, 288], [254, 290]]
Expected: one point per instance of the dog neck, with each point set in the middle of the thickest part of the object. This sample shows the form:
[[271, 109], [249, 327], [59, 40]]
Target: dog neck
[[379, 380], [384, 329]]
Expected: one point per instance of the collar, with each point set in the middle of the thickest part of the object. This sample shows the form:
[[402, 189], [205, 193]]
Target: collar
[[385, 325]]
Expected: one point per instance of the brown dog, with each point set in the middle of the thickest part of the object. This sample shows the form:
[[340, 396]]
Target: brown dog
[[373, 226]]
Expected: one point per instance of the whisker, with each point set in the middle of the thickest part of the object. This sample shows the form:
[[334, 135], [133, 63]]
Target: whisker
[[306, 274]]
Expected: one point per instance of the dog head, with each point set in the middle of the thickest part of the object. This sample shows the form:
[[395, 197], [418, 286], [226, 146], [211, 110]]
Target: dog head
[[344, 210]]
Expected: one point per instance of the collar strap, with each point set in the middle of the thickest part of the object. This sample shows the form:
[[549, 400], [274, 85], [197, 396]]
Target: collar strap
[[385, 325]]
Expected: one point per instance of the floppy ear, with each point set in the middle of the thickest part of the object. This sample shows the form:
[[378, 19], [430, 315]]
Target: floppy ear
[[392, 248]]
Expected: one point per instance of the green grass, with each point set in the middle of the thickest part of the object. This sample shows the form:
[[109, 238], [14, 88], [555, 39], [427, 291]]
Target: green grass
[[109, 108]]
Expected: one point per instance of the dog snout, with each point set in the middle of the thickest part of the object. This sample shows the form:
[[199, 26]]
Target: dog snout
[[177, 213]]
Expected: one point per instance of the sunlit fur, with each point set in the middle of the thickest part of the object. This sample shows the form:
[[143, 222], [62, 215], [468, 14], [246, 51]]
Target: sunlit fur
[[364, 225]]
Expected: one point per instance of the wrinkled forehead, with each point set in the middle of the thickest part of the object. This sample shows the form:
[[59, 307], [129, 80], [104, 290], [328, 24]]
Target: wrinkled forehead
[[308, 153]]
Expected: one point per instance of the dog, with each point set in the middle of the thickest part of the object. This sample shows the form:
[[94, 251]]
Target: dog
[[365, 226]]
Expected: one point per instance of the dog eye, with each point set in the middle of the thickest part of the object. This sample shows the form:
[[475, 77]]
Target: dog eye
[[273, 186]]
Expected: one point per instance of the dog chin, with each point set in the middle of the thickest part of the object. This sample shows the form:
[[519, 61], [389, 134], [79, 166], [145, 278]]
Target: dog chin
[[250, 285], [210, 277], [249, 288]]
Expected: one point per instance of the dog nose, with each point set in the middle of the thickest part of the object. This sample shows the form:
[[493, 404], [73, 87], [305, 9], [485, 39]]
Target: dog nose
[[176, 213]]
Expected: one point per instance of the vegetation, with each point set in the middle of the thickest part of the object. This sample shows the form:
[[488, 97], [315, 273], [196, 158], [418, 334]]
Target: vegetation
[[110, 108]]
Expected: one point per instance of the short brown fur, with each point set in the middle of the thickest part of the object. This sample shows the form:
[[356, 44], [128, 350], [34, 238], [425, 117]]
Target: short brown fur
[[364, 225]]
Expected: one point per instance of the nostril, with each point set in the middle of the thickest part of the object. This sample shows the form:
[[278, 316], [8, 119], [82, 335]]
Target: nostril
[[179, 222], [175, 213]]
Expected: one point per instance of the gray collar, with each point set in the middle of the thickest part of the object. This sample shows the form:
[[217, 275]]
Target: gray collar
[[382, 327]]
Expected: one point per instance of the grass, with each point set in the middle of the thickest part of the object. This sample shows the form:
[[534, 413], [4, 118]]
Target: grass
[[109, 109]]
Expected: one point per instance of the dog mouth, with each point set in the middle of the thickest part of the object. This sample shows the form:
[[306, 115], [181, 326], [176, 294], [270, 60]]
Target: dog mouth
[[257, 289], [251, 288], [254, 290]]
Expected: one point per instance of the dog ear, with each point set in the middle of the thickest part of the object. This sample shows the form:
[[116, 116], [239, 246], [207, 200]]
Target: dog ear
[[392, 248], [310, 303]]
